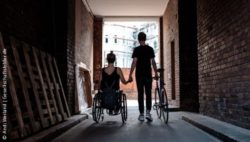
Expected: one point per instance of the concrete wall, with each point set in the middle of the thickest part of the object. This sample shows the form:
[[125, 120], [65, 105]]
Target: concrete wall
[[224, 60]]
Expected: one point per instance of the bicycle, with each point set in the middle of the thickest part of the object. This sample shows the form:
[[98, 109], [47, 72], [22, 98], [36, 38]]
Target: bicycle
[[161, 99]]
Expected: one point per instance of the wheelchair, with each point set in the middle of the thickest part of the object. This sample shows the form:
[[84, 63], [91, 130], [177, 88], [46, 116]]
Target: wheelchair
[[118, 108]]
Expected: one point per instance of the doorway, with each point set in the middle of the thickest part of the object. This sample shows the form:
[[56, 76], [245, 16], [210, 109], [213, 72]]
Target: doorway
[[173, 70], [120, 36]]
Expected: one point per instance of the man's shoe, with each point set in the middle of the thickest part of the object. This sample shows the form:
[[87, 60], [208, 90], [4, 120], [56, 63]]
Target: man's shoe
[[149, 117], [141, 117]]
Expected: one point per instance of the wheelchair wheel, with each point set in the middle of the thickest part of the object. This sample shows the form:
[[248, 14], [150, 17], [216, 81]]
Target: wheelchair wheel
[[96, 110], [157, 103], [124, 109], [164, 107]]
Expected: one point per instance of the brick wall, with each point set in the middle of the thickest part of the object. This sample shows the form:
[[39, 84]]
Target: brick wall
[[43, 24], [83, 35], [98, 23], [69, 56], [51, 27], [79, 45], [171, 34], [224, 60], [28, 20]]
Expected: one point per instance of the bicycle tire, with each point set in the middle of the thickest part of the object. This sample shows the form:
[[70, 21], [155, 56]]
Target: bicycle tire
[[157, 103], [164, 106]]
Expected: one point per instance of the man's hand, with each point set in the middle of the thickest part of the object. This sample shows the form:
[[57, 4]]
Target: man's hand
[[156, 77], [130, 79]]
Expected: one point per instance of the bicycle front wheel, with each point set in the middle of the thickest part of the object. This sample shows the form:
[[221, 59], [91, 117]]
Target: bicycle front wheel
[[164, 106], [157, 103]]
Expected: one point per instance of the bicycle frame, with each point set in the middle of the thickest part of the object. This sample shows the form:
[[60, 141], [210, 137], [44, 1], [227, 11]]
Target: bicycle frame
[[160, 88], [161, 105]]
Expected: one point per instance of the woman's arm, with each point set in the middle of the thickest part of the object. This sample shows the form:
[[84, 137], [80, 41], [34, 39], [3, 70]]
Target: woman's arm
[[119, 72]]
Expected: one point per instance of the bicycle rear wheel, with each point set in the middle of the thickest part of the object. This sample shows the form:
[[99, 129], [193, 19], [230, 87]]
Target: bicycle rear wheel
[[164, 106], [157, 103]]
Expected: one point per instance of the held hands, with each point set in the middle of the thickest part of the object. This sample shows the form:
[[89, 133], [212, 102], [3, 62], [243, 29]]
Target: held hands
[[130, 79]]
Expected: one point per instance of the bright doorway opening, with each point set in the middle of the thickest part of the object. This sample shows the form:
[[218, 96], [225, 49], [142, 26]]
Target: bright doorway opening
[[120, 36]]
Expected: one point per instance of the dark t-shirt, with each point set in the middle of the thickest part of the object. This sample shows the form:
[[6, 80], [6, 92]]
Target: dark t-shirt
[[143, 55]]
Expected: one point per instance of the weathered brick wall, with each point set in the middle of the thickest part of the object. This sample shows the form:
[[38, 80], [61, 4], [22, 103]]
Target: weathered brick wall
[[69, 57], [84, 35], [171, 34], [41, 23], [50, 26], [98, 24], [29, 21], [224, 60], [79, 44]]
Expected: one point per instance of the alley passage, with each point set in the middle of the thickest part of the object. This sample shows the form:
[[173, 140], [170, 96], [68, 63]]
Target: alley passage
[[112, 130]]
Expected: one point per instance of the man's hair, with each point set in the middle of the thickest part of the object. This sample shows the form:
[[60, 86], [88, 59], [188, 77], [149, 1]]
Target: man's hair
[[142, 36], [111, 57]]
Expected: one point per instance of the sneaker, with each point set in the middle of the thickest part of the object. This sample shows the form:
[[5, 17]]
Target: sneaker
[[141, 117], [148, 117]]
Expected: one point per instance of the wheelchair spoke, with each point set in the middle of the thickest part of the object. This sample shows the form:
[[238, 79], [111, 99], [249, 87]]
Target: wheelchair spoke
[[124, 112]]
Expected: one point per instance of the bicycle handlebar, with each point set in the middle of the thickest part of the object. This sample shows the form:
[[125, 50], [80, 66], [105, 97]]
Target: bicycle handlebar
[[155, 78], [160, 70]]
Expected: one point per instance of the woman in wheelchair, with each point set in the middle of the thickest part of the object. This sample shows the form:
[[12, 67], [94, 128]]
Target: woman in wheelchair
[[110, 84]]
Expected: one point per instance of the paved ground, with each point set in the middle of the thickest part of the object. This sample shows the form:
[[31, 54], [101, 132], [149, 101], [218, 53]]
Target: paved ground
[[112, 130]]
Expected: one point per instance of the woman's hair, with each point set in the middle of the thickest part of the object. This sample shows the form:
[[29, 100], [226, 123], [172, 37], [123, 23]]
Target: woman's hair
[[142, 36], [111, 57]]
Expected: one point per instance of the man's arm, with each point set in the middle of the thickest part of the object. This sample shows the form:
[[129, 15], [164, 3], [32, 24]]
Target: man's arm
[[154, 66], [132, 68]]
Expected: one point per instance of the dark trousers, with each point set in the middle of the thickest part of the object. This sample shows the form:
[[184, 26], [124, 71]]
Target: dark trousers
[[144, 83]]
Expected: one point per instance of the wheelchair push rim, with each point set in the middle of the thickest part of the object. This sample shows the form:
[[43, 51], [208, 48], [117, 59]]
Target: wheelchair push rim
[[124, 110], [96, 110]]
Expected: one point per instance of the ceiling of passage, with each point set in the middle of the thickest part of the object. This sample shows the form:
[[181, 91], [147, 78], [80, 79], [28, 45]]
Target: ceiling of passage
[[119, 8]]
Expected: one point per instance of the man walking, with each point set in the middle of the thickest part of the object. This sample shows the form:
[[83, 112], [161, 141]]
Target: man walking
[[143, 57]]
